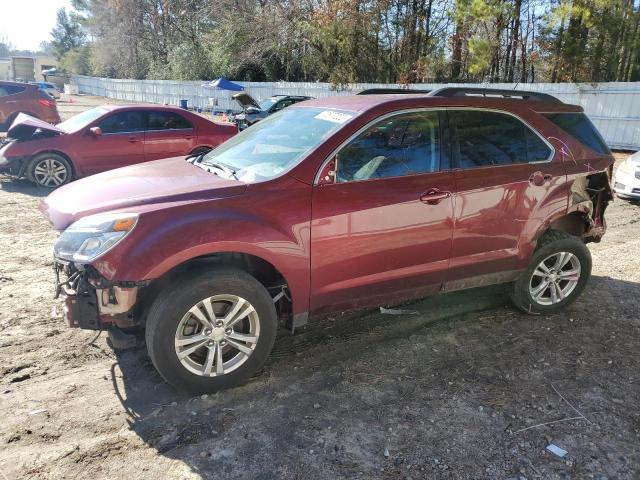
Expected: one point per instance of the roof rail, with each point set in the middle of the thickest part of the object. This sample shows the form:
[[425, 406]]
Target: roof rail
[[493, 92]]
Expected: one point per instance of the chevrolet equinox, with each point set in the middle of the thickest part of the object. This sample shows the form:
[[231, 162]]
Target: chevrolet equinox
[[332, 204]]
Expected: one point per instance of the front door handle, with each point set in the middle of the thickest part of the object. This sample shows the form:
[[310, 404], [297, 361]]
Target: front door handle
[[538, 178], [433, 196], [133, 139]]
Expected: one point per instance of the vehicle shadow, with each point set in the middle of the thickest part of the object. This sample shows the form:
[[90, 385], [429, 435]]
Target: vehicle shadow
[[24, 186], [268, 428]]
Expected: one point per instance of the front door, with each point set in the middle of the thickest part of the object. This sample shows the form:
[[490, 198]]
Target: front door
[[508, 182], [121, 143], [381, 232]]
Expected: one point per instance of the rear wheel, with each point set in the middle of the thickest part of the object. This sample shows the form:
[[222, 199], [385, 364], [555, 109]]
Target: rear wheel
[[49, 170], [558, 272], [211, 332]]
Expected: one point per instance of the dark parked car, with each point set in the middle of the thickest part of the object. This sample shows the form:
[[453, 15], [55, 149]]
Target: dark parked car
[[331, 205], [17, 97], [47, 87], [253, 111], [104, 138]]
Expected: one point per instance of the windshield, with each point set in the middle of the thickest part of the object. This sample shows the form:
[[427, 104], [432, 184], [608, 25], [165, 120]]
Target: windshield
[[267, 104], [78, 122], [276, 144]]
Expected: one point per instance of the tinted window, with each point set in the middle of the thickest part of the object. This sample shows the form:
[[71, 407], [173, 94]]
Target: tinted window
[[580, 127], [158, 120], [282, 104], [488, 138], [537, 150], [401, 145], [11, 90], [122, 123]]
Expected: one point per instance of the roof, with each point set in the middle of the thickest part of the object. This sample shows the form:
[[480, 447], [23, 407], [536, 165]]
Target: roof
[[362, 103], [139, 106]]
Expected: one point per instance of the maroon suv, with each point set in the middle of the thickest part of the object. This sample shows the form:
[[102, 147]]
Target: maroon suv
[[16, 98], [333, 204]]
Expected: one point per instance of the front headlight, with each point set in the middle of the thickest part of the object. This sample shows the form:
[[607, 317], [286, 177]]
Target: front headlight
[[90, 237]]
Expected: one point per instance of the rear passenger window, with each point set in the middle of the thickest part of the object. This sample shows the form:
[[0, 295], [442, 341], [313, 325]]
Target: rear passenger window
[[11, 90], [579, 126], [404, 144], [537, 150], [491, 138], [158, 120]]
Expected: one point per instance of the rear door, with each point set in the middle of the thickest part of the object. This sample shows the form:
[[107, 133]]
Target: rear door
[[382, 231], [121, 142], [508, 181], [168, 134], [10, 101]]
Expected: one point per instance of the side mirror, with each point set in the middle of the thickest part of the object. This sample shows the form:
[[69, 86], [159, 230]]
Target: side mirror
[[252, 110], [95, 131]]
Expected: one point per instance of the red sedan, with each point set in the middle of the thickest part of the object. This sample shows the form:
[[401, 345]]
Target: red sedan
[[105, 138]]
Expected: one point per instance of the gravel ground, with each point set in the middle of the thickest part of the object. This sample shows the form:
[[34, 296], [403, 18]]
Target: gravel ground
[[456, 391]]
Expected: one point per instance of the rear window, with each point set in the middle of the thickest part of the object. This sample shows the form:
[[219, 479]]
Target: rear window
[[580, 127]]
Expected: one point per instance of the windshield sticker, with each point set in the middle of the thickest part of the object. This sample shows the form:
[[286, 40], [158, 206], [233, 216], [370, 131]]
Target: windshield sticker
[[335, 117]]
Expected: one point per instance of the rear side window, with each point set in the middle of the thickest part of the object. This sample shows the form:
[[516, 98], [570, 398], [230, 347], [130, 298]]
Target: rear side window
[[406, 144], [491, 138], [11, 90], [580, 127], [158, 120]]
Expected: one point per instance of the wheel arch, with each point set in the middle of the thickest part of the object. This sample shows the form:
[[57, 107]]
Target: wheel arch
[[57, 152], [269, 275]]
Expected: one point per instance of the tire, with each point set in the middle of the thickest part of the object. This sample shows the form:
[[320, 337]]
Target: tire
[[49, 170], [529, 292], [170, 321]]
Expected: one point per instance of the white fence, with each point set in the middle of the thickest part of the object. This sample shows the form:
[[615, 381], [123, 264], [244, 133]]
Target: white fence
[[614, 107]]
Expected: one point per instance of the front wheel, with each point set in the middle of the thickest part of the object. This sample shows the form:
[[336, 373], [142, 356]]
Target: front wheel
[[558, 272], [211, 332], [49, 170]]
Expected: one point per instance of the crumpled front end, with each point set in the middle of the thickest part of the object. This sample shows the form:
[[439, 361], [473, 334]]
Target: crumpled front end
[[93, 302]]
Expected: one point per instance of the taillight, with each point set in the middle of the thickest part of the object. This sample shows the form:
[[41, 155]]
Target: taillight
[[47, 103]]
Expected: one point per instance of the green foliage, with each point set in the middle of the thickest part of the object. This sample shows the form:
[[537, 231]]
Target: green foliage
[[67, 34], [77, 61], [346, 41]]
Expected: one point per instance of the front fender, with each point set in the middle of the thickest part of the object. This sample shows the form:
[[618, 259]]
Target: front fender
[[273, 227]]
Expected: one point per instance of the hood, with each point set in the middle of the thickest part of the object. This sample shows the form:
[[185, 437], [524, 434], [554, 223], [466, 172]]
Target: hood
[[161, 181], [25, 125], [245, 100]]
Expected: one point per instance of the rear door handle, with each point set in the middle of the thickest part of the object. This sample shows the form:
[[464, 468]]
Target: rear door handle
[[433, 196], [538, 178], [133, 139]]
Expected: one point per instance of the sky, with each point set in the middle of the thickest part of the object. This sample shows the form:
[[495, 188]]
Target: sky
[[26, 23]]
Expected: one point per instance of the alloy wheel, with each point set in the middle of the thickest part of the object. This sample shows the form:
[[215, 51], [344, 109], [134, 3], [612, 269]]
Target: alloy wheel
[[217, 335], [555, 278], [49, 172]]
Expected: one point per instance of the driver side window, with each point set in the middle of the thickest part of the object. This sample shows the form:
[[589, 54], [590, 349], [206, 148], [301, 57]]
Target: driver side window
[[405, 144], [123, 122]]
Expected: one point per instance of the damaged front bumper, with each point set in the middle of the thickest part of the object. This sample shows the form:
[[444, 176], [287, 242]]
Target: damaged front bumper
[[93, 302]]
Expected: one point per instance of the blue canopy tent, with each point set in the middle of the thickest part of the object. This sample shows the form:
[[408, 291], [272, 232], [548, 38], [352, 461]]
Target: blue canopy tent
[[224, 84], [221, 84]]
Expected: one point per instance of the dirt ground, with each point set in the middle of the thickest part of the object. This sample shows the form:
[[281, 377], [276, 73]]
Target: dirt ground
[[456, 391]]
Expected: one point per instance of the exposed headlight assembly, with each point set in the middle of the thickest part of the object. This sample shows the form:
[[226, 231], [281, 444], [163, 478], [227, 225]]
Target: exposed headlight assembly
[[92, 236]]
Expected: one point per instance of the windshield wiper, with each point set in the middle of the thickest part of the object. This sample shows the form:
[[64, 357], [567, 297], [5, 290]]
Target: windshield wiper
[[197, 158], [223, 167]]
